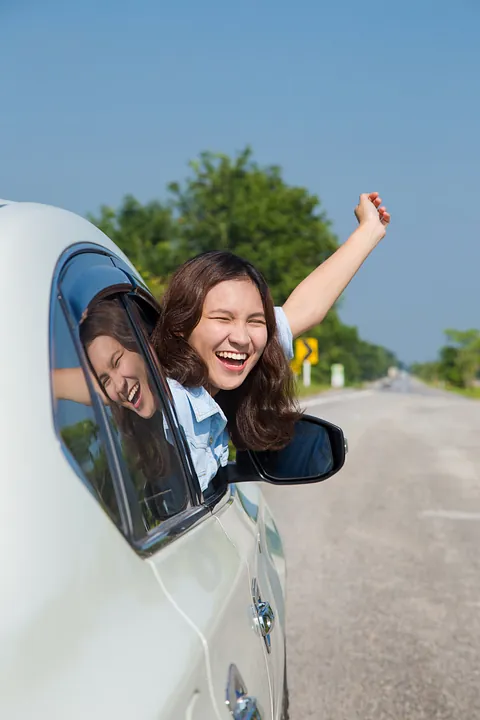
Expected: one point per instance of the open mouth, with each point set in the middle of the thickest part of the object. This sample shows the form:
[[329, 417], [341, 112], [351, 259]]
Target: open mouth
[[232, 360], [135, 395]]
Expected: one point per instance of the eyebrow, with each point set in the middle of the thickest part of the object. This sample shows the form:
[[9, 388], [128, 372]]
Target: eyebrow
[[257, 314], [228, 312], [219, 310]]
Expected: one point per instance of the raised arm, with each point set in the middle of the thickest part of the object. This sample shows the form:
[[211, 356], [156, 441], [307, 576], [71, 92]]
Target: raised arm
[[70, 384], [313, 297]]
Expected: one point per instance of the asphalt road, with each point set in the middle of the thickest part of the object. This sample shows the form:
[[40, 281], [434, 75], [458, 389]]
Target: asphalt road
[[384, 562]]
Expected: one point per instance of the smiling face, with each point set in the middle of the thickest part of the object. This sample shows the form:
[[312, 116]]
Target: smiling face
[[122, 374], [232, 333]]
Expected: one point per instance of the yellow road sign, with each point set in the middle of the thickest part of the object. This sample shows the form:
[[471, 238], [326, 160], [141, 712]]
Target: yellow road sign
[[296, 367], [306, 349]]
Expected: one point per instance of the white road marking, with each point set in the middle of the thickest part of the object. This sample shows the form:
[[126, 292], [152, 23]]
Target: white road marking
[[451, 514], [335, 398]]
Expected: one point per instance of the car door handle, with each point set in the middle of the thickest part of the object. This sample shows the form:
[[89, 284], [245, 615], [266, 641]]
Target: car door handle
[[241, 705], [264, 616]]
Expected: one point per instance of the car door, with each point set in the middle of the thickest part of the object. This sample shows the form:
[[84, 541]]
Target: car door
[[115, 645], [197, 567], [250, 527]]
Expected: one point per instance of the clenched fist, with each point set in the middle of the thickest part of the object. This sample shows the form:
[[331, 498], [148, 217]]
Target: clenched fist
[[371, 211]]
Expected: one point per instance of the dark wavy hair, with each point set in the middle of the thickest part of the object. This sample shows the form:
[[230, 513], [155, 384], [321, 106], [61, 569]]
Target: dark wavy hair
[[262, 411], [144, 438]]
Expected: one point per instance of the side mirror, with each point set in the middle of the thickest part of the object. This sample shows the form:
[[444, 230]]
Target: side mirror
[[316, 452]]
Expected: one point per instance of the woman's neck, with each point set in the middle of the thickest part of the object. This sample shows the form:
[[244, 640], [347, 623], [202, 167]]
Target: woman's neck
[[211, 389]]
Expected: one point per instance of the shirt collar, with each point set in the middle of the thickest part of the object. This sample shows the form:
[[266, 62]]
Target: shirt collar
[[203, 404]]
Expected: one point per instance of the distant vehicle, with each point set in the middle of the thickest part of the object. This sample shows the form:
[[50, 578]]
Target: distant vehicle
[[392, 372], [115, 604]]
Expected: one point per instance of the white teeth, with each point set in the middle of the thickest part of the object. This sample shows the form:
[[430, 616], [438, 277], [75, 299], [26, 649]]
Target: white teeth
[[132, 392], [232, 355]]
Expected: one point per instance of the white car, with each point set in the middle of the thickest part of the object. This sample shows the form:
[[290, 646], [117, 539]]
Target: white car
[[113, 607]]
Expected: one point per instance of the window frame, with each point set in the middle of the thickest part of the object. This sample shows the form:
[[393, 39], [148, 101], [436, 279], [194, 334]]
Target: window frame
[[145, 543]]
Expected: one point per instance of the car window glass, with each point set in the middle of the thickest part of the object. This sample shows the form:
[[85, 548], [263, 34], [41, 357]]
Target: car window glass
[[76, 422], [135, 410]]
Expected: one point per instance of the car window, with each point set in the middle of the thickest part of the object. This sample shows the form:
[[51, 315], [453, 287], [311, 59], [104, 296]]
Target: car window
[[150, 466], [135, 408], [77, 425]]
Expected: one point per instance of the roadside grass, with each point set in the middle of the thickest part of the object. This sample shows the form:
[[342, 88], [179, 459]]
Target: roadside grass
[[314, 389], [317, 388], [473, 392]]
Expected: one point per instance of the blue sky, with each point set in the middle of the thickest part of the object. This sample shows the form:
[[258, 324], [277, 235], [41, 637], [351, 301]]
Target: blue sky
[[105, 98]]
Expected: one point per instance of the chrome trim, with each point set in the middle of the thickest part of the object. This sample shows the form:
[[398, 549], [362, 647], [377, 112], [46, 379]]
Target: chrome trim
[[266, 621], [263, 616], [240, 705], [177, 526], [225, 501]]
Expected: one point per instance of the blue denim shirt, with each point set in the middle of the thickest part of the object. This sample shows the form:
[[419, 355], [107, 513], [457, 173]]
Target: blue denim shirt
[[203, 420]]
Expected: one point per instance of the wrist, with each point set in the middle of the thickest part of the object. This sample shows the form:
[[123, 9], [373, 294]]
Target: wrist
[[372, 229]]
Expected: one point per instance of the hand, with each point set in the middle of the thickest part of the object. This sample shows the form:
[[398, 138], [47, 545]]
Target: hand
[[371, 211]]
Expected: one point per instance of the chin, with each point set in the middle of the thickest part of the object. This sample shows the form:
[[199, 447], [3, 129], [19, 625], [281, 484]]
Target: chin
[[231, 384], [147, 414]]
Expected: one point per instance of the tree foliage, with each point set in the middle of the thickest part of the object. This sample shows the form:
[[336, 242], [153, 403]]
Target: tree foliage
[[458, 361], [237, 205]]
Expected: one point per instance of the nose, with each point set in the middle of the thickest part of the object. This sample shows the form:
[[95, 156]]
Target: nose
[[239, 334], [120, 385]]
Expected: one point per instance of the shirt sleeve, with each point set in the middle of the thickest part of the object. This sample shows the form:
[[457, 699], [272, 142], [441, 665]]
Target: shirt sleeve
[[284, 332]]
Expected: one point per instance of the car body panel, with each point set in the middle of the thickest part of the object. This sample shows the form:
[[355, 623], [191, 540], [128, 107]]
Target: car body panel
[[207, 577], [254, 544]]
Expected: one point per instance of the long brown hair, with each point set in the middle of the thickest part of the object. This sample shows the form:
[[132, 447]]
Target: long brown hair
[[262, 411]]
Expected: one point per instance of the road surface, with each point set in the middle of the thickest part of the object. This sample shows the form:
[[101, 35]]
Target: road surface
[[384, 562]]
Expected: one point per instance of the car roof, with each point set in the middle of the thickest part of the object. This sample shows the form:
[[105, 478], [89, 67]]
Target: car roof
[[46, 231]]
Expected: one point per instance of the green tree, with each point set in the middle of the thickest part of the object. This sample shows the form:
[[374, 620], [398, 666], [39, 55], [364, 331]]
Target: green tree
[[466, 343], [428, 371], [147, 234], [447, 368], [237, 205], [458, 361]]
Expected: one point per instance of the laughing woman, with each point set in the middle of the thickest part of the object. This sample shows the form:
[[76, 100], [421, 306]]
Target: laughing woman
[[225, 348]]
